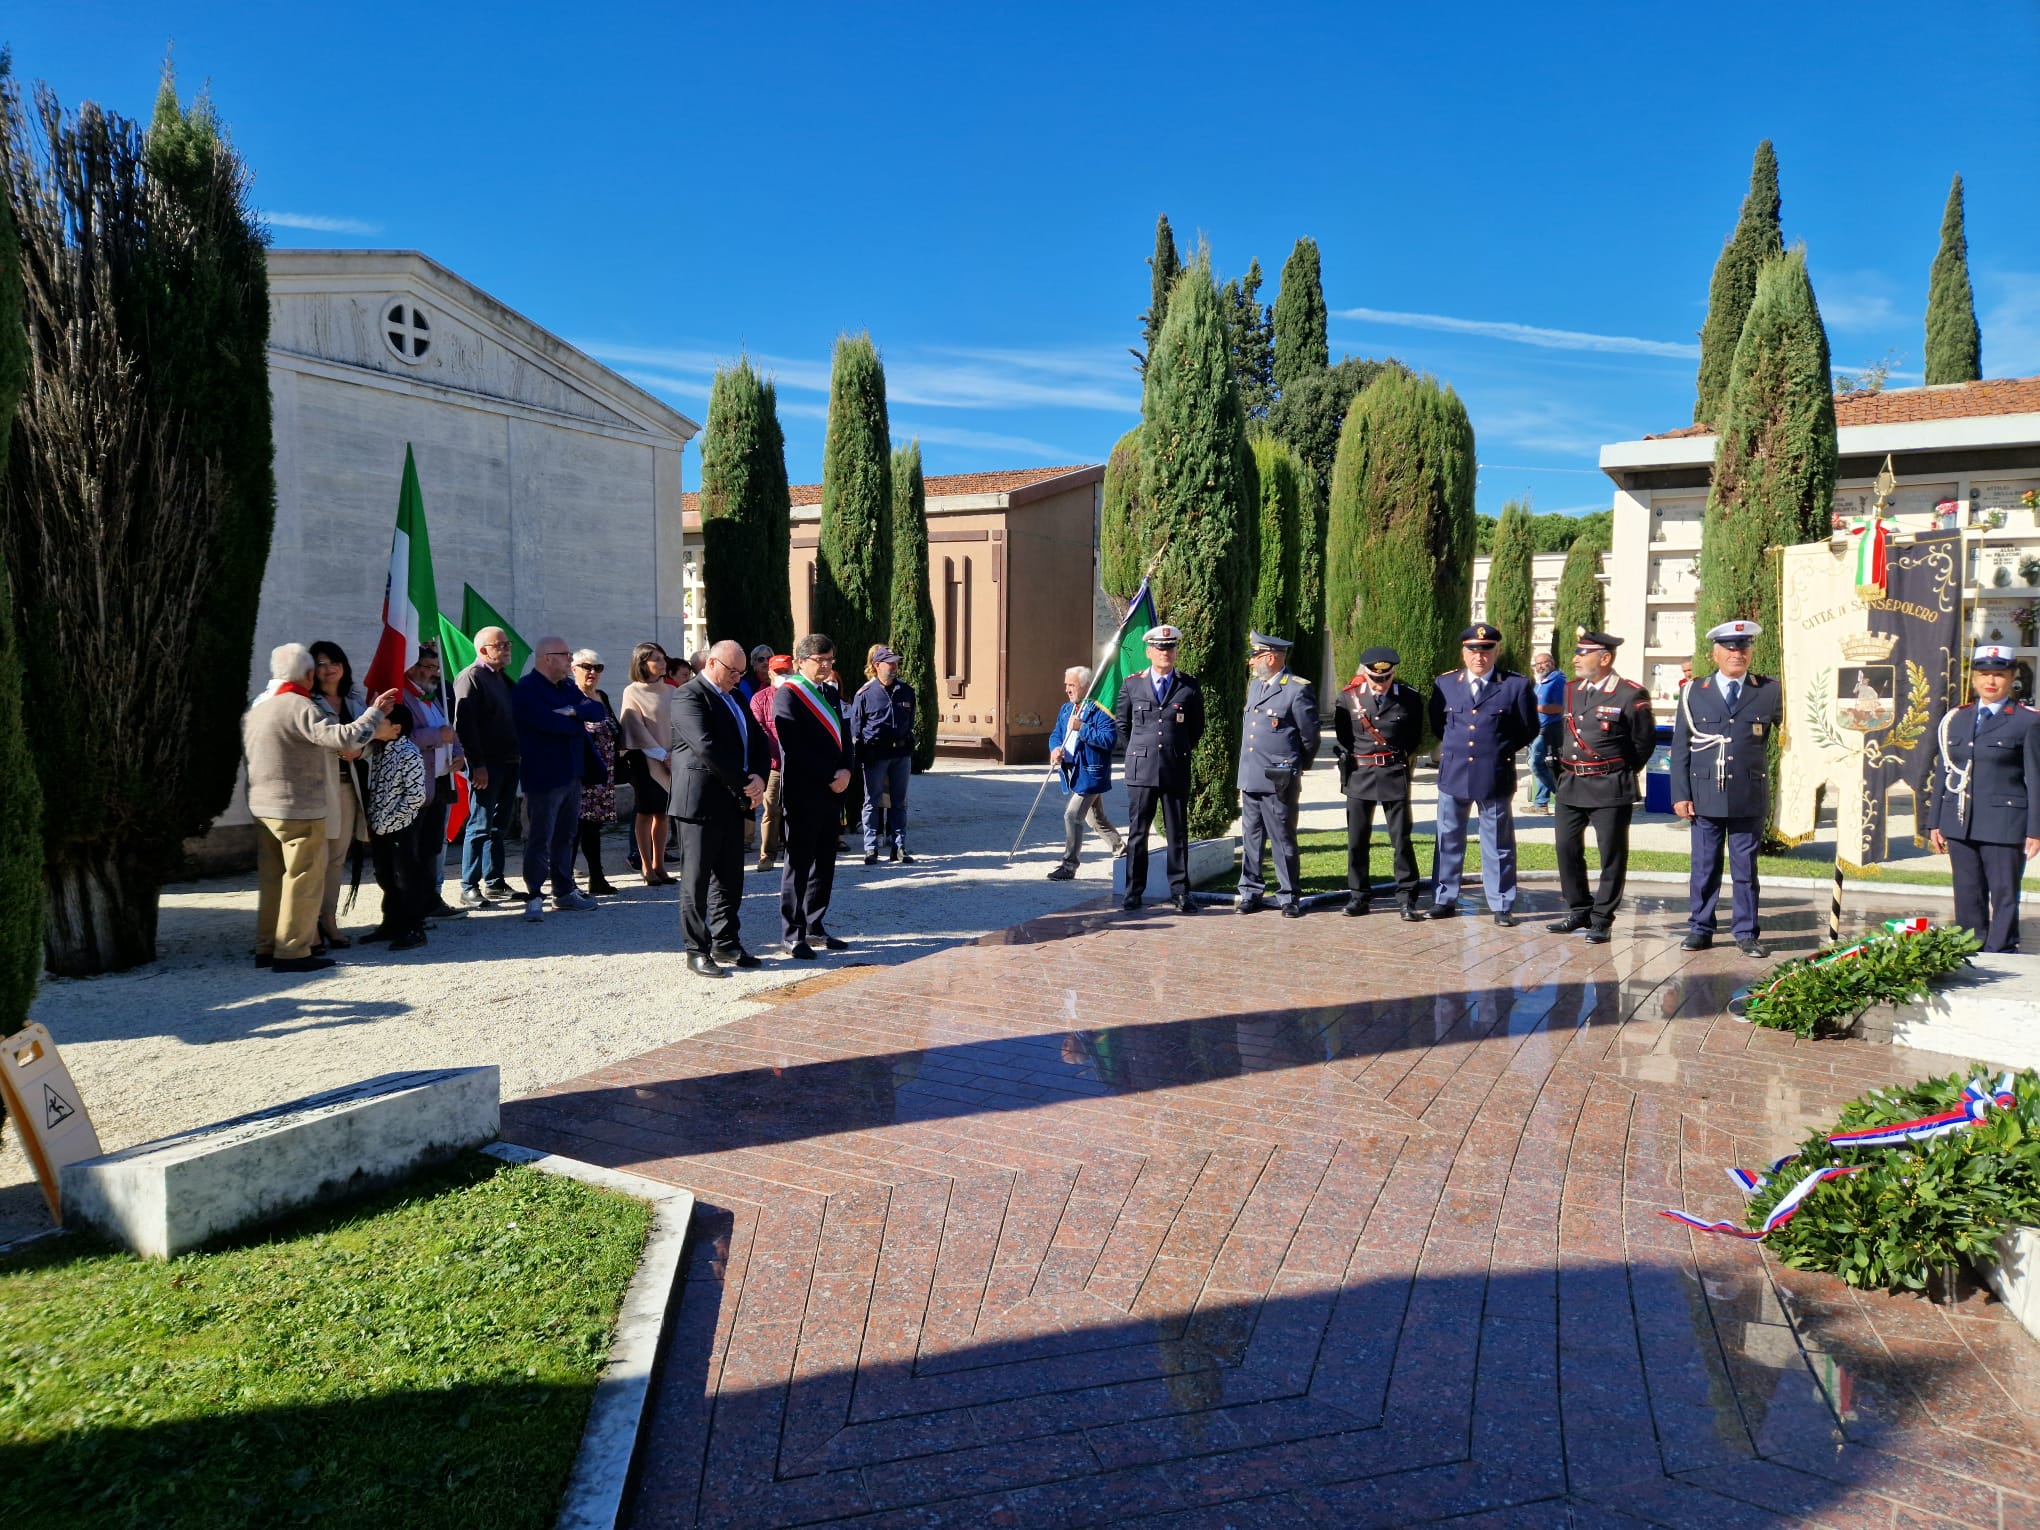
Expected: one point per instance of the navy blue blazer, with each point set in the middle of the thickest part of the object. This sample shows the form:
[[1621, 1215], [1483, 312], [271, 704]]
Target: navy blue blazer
[[2002, 803], [1731, 779], [1477, 745], [1159, 737]]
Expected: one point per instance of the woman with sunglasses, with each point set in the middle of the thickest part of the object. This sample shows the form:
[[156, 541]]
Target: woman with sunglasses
[[598, 798]]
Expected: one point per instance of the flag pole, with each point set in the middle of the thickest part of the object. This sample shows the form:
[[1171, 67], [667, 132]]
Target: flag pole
[[1097, 675]]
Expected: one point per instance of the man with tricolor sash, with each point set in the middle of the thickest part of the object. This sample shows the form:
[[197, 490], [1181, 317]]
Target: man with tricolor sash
[[815, 761]]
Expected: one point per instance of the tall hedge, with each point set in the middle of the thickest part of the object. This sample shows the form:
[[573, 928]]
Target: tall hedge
[[1278, 540], [1582, 599], [21, 852], [205, 309], [745, 537], [1757, 238], [1122, 539], [1301, 346], [913, 608], [1195, 484], [1954, 344], [1510, 587], [853, 567], [1399, 548], [1774, 460]]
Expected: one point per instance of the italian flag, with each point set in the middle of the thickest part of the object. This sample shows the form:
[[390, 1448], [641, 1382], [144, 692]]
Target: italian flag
[[410, 599]]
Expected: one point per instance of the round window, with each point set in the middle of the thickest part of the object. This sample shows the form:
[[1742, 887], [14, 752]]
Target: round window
[[406, 330]]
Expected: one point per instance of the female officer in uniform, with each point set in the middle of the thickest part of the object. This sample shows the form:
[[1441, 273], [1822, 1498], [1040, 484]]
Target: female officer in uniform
[[1985, 815]]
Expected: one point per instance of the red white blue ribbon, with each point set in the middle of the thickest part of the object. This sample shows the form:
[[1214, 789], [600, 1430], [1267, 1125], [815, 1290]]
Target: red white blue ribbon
[[1979, 1098]]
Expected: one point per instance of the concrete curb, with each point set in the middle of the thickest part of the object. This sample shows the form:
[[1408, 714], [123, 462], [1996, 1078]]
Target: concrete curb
[[603, 1465]]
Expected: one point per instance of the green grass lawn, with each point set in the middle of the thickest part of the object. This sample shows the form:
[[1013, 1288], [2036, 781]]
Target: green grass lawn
[[422, 1357], [1324, 863]]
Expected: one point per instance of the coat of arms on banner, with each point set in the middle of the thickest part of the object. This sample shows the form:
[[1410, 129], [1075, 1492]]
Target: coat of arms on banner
[[1866, 697]]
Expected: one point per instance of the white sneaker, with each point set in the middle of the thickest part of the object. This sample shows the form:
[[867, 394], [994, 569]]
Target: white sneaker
[[534, 910], [574, 898]]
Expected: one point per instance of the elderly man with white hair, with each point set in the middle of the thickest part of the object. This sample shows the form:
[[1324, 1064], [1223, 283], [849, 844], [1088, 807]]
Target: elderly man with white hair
[[1084, 734], [485, 718], [287, 738]]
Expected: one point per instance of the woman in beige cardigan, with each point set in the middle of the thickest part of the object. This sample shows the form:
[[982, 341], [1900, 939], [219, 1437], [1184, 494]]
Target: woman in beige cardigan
[[342, 701], [648, 736]]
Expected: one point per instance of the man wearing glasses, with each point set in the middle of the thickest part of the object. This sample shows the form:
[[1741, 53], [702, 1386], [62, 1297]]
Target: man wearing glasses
[[719, 763], [1721, 780], [1609, 736], [1482, 715], [485, 722]]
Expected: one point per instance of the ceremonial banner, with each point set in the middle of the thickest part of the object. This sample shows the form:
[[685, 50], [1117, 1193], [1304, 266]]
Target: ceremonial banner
[[1867, 677]]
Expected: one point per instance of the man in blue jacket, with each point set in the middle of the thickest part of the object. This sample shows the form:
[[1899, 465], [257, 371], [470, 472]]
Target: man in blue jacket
[[1481, 715], [1084, 733], [881, 723], [550, 713], [1985, 814]]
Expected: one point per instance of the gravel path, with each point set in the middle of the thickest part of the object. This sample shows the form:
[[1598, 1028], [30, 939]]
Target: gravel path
[[202, 1034]]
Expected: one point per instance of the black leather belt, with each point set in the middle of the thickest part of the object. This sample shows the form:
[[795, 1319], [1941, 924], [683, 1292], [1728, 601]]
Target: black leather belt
[[1377, 759], [1595, 767]]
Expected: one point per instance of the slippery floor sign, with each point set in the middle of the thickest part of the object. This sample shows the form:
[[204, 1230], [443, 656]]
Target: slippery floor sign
[[44, 1106]]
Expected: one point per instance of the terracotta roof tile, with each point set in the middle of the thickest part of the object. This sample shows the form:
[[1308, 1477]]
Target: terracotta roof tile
[[1951, 401], [942, 485]]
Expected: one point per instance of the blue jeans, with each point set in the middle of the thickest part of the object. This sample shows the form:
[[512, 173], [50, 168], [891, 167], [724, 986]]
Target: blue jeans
[[481, 847], [550, 820], [880, 825], [1543, 752], [1497, 852]]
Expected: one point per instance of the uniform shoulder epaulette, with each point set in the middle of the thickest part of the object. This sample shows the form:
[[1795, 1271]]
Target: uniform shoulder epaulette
[[1448, 674]]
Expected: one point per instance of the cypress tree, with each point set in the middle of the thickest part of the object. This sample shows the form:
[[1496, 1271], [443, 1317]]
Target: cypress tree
[[853, 566], [1510, 586], [1399, 548], [1253, 341], [1164, 266], [745, 537], [1122, 539], [913, 608], [1301, 346], [1195, 485], [1775, 458], [1307, 658], [1582, 600], [1311, 409], [1757, 239], [1954, 344], [1278, 543], [206, 313], [21, 851]]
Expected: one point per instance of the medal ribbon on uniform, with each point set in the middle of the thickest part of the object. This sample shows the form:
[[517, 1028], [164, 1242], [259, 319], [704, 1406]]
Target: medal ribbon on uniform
[[1979, 1098], [818, 704]]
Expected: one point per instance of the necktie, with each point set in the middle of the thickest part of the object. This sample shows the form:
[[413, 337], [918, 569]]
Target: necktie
[[1983, 715], [1161, 689], [1734, 693], [1474, 690]]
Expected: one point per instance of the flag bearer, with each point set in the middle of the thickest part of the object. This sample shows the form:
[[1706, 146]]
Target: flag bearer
[[1379, 723], [1985, 812], [1609, 734], [1278, 741], [1721, 779]]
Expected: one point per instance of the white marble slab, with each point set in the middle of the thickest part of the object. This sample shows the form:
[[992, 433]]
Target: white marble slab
[[1989, 1011]]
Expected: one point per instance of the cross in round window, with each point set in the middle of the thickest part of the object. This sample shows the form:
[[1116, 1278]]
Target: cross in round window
[[406, 330]]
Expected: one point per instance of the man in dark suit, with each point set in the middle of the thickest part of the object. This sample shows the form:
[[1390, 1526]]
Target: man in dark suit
[[815, 760], [1379, 724], [1481, 715], [1609, 736], [1721, 779], [719, 762], [1985, 815], [1159, 719]]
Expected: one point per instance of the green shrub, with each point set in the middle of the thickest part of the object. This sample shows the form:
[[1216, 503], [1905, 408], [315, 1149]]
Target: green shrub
[[1914, 1209], [1816, 994]]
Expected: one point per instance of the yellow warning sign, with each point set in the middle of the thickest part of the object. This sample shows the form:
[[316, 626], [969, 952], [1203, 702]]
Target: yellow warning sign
[[44, 1104]]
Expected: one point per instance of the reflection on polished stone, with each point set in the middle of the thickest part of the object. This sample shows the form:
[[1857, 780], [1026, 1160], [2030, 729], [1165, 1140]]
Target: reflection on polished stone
[[1136, 1219]]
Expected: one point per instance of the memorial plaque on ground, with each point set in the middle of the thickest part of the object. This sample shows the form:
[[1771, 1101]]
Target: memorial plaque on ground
[[173, 1194], [45, 1107]]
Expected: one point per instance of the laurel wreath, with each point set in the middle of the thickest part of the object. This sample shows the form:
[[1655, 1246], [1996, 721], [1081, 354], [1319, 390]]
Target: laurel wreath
[[1818, 721]]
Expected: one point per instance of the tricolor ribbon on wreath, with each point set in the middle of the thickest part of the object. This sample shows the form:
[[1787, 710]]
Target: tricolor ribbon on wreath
[[1979, 1098], [1868, 539], [1739, 1001]]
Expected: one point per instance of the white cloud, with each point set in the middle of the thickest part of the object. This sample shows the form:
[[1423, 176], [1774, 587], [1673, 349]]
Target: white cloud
[[1524, 334], [942, 435], [1541, 424], [319, 223]]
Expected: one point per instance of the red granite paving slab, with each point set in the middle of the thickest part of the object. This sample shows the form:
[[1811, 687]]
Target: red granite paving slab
[[1024, 1234]]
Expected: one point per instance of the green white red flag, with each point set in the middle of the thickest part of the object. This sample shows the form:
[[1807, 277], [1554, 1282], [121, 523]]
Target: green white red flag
[[410, 598]]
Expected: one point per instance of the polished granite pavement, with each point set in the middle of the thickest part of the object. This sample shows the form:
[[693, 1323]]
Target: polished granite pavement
[[1203, 1222]]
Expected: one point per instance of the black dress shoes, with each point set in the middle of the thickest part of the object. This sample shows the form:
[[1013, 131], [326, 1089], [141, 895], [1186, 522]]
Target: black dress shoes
[[1411, 914], [1130, 902], [871, 860], [1754, 948], [702, 966], [1445, 911], [801, 951], [906, 859], [1356, 909], [1185, 906], [1250, 905], [1569, 924], [1292, 910], [1598, 937], [831, 943], [735, 956], [1696, 942], [1505, 919]]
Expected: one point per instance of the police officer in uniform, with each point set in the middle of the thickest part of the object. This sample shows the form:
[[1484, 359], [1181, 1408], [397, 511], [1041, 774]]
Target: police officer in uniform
[[1482, 716], [1721, 779], [1278, 741], [1985, 815], [1378, 723], [1160, 718], [1609, 734]]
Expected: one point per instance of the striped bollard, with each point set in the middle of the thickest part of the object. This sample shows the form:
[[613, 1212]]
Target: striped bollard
[[1835, 906]]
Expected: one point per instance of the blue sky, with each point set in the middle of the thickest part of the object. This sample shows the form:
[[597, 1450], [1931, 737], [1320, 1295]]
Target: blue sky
[[1525, 200]]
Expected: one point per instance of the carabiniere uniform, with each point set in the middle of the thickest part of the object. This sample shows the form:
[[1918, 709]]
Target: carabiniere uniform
[[1986, 804], [1378, 728], [1608, 738]]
